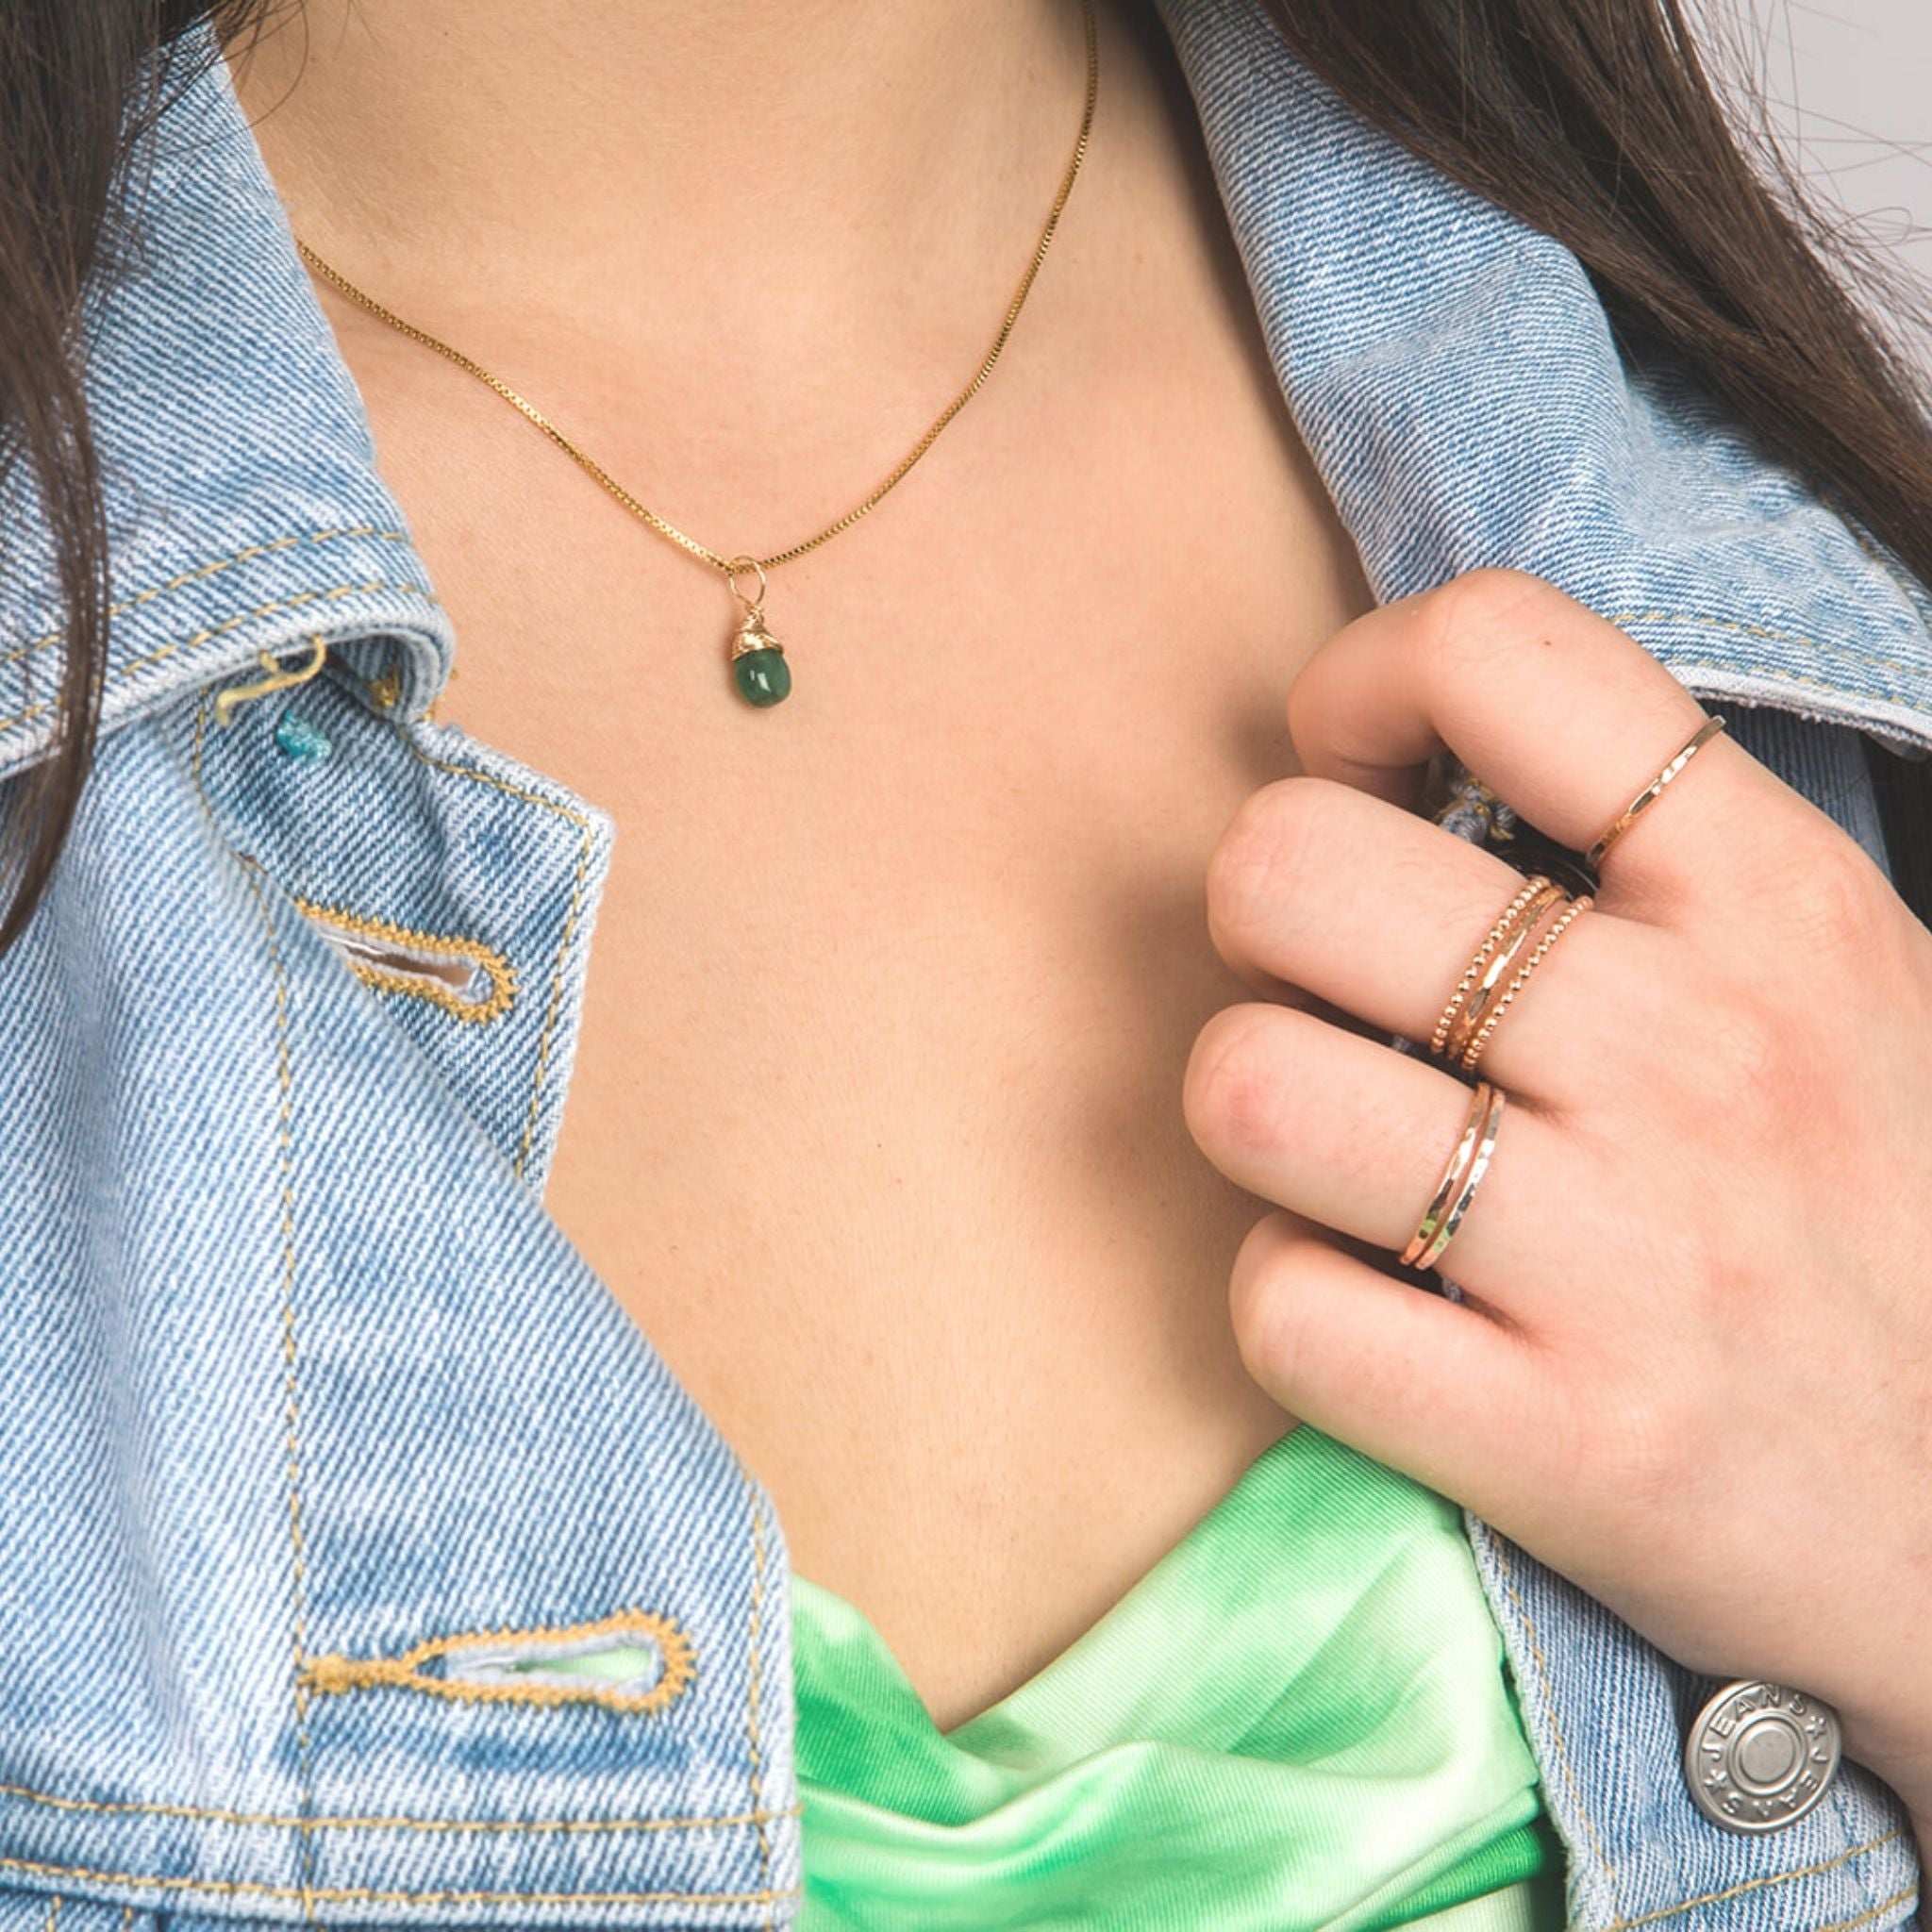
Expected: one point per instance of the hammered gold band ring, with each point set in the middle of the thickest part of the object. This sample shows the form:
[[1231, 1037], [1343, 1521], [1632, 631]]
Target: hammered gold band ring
[[1648, 796], [1449, 1204], [1520, 940]]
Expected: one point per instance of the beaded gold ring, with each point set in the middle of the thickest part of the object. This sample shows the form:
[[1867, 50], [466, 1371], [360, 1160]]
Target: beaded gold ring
[[1493, 972], [1496, 934], [1552, 933]]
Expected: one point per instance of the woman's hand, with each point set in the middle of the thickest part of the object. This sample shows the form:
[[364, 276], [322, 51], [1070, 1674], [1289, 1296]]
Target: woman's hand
[[1693, 1371]]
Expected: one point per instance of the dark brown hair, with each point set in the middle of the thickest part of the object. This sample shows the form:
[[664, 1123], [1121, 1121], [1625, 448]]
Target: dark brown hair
[[1594, 121], [78, 81]]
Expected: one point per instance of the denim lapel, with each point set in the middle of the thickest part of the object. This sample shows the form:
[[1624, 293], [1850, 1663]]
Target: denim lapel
[[244, 511], [1455, 377]]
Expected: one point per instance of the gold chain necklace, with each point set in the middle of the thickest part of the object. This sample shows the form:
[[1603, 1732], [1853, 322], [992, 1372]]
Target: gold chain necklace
[[757, 658]]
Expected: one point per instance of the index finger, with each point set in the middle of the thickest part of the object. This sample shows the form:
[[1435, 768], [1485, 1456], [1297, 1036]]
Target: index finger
[[1560, 714]]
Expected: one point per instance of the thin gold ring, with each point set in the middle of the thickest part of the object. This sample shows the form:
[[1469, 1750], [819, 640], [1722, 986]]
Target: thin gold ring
[[1482, 998], [1450, 1202], [1494, 937], [1647, 798], [1552, 933], [1465, 1192]]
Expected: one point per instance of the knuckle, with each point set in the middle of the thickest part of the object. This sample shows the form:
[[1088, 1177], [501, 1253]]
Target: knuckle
[[1265, 1309], [1231, 1092], [1484, 609], [1831, 895], [1750, 1069], [1277, 831], [1769, 1107]]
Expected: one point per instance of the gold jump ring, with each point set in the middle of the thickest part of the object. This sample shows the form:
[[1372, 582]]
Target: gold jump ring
[[737, 567]]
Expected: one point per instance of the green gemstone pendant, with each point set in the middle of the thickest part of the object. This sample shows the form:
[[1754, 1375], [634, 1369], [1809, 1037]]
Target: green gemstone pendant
[[758, 663]]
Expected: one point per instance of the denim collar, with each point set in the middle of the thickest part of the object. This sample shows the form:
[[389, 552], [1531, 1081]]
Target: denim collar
[[1455, 377], [1452, 372], [245, 509]]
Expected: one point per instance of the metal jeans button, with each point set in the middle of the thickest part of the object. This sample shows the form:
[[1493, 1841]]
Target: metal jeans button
[[1760, 1755]]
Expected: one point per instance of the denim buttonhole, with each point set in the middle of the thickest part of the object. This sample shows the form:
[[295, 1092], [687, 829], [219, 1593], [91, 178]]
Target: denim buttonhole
[[621, 1665]]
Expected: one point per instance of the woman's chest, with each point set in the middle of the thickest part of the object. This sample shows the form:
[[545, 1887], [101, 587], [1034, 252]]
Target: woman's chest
[[874, 1118]]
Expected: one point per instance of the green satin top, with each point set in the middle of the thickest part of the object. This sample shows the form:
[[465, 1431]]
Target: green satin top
[[1297, 1721]]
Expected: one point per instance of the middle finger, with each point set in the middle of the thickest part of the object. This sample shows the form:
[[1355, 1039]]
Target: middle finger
[[1377, 911]]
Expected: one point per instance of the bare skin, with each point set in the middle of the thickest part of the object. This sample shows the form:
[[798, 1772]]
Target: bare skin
[[875, 1123]]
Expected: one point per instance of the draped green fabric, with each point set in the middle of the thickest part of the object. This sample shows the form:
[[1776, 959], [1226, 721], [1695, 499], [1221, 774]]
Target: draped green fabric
[[1298, 1719]]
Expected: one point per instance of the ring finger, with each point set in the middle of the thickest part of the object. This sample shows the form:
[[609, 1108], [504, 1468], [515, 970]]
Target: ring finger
[[1356, 1136]]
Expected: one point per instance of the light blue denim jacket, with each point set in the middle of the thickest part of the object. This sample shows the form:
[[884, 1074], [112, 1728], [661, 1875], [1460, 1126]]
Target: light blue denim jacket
[[315, 1434]]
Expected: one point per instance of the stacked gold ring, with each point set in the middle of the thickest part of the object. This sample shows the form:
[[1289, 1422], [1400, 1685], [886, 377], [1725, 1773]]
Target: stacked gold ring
[[1440, 1041], [1499, 1005], [1489, 985], [1532, 923], [1450, 1202]]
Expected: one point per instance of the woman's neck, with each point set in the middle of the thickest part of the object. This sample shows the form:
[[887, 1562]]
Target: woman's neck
[[657, 159]]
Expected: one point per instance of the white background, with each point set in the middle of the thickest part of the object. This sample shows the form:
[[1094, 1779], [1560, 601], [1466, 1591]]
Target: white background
[[1849, 84]]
